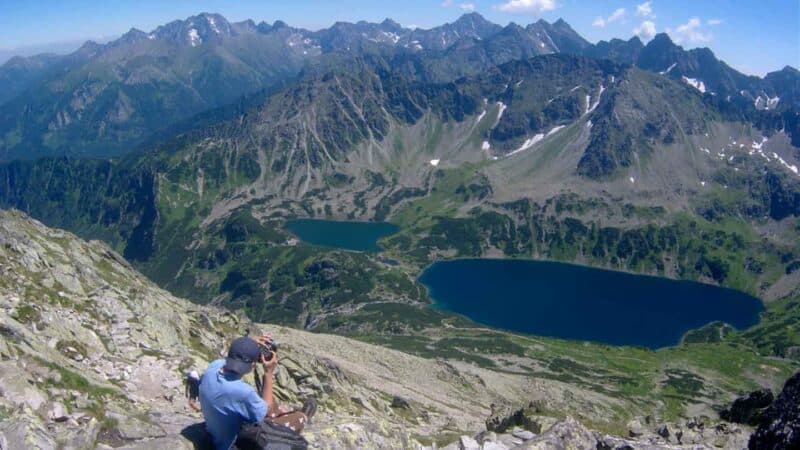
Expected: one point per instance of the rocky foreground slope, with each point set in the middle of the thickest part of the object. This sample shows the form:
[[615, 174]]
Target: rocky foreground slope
[[92, 356]]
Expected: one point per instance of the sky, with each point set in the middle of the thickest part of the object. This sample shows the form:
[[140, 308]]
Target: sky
[[753, 36]]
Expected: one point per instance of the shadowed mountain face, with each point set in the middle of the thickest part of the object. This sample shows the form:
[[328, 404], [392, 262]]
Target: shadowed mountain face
[[105, 100]]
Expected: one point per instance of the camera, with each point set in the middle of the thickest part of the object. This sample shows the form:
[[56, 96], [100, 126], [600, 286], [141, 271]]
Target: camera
[[267, 350]]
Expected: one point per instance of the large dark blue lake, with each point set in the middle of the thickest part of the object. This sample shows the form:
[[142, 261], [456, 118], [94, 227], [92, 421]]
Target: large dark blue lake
[[576, 302], [357, 236]]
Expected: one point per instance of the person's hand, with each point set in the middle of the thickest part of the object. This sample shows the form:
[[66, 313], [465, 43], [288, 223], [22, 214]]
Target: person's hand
[[264, 340], [269, 366]]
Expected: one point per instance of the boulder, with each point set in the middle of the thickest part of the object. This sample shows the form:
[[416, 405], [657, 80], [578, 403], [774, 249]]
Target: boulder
[[635, 428], [400, 402], [131, 428], [504, 417], [780, 423], [749, 408], [494, 446], [467, 443], [525, 435], [663, 431], [567, 434], [57, 412]]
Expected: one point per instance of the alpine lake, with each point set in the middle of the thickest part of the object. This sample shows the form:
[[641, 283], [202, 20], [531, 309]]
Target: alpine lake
[[555, 299]]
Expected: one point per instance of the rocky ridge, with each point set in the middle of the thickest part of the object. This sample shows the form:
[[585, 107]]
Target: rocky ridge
[[92, 355]]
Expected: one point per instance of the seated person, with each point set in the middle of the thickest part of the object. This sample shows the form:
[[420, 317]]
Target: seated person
[[227, 402]]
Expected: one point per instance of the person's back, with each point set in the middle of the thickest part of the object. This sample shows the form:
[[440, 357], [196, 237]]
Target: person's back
[[227, 402]]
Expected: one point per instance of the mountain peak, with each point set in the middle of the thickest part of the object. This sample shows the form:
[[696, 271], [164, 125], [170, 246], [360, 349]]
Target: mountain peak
[[661, 39], [389, 23], [473, 20]]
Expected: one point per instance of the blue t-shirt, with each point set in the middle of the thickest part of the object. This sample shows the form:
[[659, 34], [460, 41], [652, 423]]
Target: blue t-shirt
[[228, 402]]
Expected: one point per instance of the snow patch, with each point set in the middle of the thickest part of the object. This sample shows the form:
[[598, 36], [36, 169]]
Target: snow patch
[[702, 183], [703, 149], [596, 103], [695, 83], [194, 38], [152, 37], [480, 116], [555, 130], [576, 87], [213, 24], [434, 162], [485, 145], [393, 36], [757, 145], [766, 102], [773, 102], [589, 124], [784, 163], [669, 69], [502, 107], [528, 143], [633, 180]]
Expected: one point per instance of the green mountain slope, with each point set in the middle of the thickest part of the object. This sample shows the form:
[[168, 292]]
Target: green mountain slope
[[554, 157]]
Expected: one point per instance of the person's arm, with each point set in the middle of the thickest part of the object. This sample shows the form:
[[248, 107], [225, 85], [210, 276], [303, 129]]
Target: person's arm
[[266, 391]]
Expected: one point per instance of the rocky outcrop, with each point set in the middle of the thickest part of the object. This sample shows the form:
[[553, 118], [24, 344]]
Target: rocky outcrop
[[780, 423], [92, 355], [749, 408]]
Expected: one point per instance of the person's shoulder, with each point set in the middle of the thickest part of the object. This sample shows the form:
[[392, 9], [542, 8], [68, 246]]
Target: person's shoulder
[[215, 365]]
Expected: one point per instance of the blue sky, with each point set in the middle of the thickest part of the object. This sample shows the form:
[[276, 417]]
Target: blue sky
[[754, 36]]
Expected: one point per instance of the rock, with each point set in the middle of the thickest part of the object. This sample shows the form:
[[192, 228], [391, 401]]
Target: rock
[[486, 436], [567, 434], [780, 423], [169, 442], [494, 446], [57, 412], [663, 431], [504, 417], [748, 409], [635, 428], [131, 428], [525, 435], [467, 443], [400, 402], [23, 431]]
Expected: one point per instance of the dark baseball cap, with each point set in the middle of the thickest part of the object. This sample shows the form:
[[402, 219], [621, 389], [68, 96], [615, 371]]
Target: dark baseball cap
[[242, 354]]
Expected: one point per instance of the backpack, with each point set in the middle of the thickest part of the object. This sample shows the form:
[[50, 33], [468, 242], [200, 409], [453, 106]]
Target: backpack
[[269, 436]]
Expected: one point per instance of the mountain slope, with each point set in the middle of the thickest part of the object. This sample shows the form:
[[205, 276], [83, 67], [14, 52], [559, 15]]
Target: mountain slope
[[143, 82], [203, 213], [93, 354]]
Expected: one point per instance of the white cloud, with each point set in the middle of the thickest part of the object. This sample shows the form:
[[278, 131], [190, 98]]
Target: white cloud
[[467, 6], [714, 22], [618, 14], [645, 10], [691, 32], [645, 31], [527, 6], [447, 3]]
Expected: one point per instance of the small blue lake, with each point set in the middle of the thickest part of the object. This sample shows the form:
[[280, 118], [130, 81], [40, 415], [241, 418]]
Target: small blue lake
[[356, 236], [582, 303]]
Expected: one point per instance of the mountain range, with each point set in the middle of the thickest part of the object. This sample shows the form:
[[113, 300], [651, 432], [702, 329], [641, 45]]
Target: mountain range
[[110, 99], [187, 149]]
